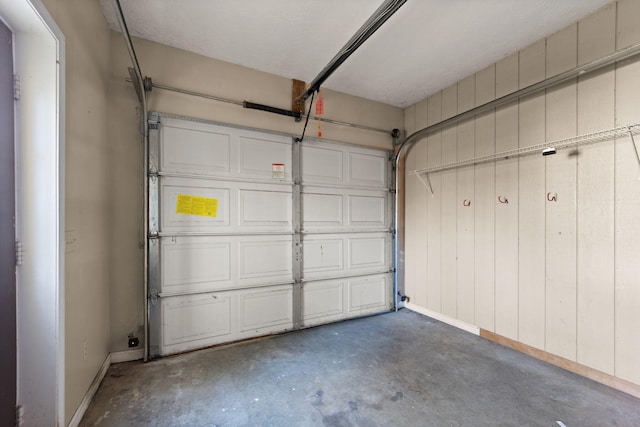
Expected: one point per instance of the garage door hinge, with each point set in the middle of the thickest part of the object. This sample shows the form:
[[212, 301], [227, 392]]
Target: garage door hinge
[[16, 87], [19, 253], [153, 296], [153, 124], [19, 416], [392, 191]]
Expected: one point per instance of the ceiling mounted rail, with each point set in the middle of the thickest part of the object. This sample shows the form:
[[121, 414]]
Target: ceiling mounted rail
[[379, 17]]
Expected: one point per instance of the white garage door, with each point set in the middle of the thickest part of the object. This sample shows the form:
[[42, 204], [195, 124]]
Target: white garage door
[[239, 247]]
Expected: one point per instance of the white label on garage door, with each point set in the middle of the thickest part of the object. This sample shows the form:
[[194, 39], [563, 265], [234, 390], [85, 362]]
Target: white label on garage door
[[277, 171]]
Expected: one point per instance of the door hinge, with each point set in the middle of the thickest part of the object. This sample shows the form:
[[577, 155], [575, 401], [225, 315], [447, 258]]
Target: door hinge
[[19, 416], [19, 253], [16, 87]]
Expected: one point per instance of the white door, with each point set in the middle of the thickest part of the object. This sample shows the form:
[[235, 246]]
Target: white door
[[225, 222]]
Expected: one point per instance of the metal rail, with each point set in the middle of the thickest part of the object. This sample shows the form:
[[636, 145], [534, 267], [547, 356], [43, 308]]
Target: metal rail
[[379, 17], [240, 103], [560, 144], [142, 96]]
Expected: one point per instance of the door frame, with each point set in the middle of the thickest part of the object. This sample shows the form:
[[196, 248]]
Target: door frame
[[8, 357], [39, 129]]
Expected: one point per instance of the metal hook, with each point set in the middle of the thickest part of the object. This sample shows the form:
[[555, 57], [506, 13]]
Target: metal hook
[[503, 199], [552, 198], [466, 202]]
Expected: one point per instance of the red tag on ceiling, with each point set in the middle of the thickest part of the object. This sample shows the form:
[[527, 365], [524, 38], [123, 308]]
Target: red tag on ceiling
[[320, 105]]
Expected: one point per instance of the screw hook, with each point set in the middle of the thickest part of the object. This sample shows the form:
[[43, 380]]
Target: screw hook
[[466, 202], [502, 199], [552, 198]]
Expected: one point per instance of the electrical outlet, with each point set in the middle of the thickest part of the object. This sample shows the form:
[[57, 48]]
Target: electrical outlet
[[134, 341]]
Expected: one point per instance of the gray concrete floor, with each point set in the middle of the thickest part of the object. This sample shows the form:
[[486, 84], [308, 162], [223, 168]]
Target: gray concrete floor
[[396, 369]]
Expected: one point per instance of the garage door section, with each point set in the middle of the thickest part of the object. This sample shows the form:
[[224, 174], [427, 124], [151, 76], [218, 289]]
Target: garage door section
[[346, 220], [220, 222], [238, 248]]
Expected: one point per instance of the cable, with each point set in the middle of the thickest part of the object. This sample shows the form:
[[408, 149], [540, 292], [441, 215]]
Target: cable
[[306, 122]]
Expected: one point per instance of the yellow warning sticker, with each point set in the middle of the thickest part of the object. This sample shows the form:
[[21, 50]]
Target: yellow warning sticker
[[196, 205]]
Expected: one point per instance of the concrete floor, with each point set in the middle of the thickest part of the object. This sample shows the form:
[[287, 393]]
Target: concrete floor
[[396, 369]]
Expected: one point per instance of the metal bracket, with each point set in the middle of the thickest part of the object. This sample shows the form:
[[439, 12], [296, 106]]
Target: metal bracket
[[17, 92], [19, 253], [153, 296]]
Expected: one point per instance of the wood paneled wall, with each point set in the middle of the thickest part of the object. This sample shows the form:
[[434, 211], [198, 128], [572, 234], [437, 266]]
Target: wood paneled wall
[[562, 276]]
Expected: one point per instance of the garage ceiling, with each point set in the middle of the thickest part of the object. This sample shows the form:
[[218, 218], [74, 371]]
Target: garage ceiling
[[426, 46]]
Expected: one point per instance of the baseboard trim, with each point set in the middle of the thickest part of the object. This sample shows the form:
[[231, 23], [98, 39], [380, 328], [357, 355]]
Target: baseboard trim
[[127, 356], [566, 364], [444, 318], [88, 397], [117, 357]]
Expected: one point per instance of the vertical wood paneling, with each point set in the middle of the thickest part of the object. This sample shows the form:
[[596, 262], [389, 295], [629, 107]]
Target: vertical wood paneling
[[628, 30], [560, 232], [562, 51], [434, 208], [465, 214], [421, 196], [560, 275], [506, 220], [532, 64], [449, 205], [531, 222], [627, 230], [596, 38], [484, 202]]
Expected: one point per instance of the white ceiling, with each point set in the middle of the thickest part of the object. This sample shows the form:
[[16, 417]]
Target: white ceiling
[[426, 46]]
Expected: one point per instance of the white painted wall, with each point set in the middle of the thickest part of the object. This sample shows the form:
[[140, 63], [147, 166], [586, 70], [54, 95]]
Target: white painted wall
[[559, 276], [87, 199]]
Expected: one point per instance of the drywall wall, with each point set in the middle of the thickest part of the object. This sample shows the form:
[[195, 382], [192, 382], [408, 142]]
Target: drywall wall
[[561, 276], [178, 68], [87, 189]]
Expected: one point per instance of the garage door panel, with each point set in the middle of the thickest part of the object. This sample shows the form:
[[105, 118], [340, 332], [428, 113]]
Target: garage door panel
[[323, 255], [323, 210], [265, 258], [368, 293], [195, 264], [367, 211], [326, 301], [265, 208], [367, 170], [241, 207], [368, 252], [195, 318], [171, 220], [265, 309], [258, 155], [321, 165], [323, 300], [195, 151], [345, 255], [215, 263], [344, 209]]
